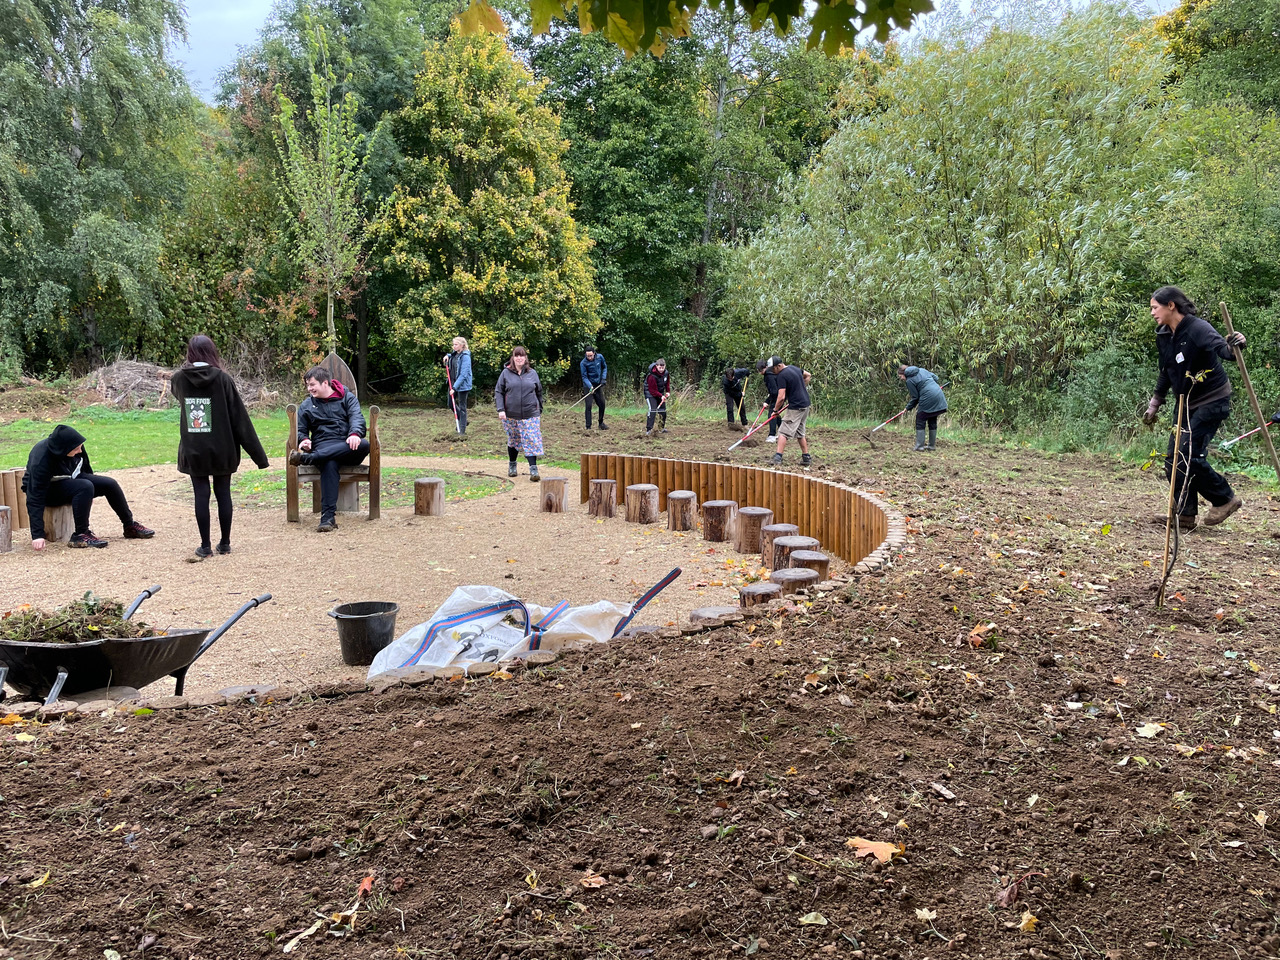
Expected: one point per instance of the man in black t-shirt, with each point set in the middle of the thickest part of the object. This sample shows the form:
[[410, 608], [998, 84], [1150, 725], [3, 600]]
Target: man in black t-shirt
[[793, 400]]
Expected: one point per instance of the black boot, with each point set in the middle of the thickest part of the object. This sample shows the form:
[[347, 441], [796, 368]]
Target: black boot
[[933, 438], [920, 444]]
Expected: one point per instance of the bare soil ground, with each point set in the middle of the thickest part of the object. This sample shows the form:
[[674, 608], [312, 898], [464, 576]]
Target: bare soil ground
[[1062, 769]]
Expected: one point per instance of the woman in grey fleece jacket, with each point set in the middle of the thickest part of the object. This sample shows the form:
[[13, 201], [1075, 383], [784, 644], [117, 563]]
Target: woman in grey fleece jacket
[[518, 396]]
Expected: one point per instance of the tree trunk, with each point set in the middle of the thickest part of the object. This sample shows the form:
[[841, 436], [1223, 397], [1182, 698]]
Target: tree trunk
[[682, 510], [717, 520], [428, 497], [642, 503], [362, 345], [333, 333], [784, 546], [552, 491], [767, 534], [602, 499], [746, 534]]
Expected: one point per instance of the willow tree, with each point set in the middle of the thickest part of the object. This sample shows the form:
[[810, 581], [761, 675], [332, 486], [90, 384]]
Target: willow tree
[[321, 174], [477, 238]]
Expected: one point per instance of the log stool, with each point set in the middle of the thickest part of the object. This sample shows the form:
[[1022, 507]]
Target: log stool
[[552, 491], [812, 560], [682, 510], [602, 500], [791, 579], [717, 519], [754, 594], [783, 547], [59, 523], [746, 530], [642, 503], [711, 613], [6, 528], [428, 497], [767, 535]]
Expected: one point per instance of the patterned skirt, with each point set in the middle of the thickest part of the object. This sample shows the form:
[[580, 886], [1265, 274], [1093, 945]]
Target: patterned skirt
[[525, 435]]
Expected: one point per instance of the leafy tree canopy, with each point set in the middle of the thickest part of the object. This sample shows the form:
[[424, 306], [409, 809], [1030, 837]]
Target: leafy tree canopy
[[636, 25], [477, 237], [1225, 48]]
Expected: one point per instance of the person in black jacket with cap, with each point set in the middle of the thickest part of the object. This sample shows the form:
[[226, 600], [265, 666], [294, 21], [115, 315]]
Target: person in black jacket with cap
[[214, 426], [732, 382], [765, 369], [331, 435], [1191, 354], [58, 473]]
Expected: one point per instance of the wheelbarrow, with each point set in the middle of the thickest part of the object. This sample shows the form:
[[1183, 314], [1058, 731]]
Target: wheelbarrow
[[49, 670]]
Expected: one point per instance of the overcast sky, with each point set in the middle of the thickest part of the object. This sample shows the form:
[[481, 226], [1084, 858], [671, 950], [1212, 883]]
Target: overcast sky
[[218, 28]]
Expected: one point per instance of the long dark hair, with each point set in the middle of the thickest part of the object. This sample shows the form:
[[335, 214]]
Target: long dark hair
[[200, 349], [519, 352], [1174, 297]]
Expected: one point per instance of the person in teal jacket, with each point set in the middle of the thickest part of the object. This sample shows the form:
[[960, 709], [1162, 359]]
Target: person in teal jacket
[[926, 394]]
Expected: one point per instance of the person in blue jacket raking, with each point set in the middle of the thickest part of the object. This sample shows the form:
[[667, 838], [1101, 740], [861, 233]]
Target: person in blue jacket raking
[[594, 371]]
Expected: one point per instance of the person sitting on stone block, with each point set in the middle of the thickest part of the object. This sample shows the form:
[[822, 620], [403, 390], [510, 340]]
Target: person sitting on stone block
[[58, 473], [331, 435]]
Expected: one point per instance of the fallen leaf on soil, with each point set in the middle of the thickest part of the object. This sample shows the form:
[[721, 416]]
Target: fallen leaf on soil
[[1149, 730], [925, 915], [23, 737], [366, 887], [942, 791], [1009, 895], [1029, 921], [881, 850], [531, 878], [500, 675], [110, 954], [1031, 800], [38, 883], [1119, 681], [592, 881], [10, 720], [1187, 751], [975, 635], [1261, 818], [292, 945], [814, 918]]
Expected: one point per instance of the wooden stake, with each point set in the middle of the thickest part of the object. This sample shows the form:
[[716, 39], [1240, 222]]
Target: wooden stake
[[1173, 482], [1248, 387], [428, 497], [602, 501], [552, 491]]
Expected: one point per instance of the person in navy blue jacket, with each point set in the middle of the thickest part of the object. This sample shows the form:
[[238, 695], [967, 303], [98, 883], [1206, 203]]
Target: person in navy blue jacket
[[594, 371], [459, 365], [331, 435]]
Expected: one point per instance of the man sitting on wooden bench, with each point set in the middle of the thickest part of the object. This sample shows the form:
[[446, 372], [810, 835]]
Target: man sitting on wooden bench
[[331, 435], [58, 473]]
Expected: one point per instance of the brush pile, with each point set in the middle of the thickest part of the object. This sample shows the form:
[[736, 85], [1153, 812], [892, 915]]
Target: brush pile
[[87, 619], [130, 384]]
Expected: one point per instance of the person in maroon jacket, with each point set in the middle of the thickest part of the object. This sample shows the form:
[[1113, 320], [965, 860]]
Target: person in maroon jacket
[[213, 428], [657, 390]]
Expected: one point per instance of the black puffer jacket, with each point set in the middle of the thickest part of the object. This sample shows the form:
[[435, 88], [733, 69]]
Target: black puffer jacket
[[214, 425], [335, 418], [49, 459], [1195, 348]]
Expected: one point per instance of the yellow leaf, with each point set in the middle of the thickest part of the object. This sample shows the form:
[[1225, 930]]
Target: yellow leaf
[[1150, 730], [1261, 819], [500, 675], [38, 883], [480, 17], [1029, 921], [23, 737], [925, 915], [881, 850], [532, 879], [10, 720]]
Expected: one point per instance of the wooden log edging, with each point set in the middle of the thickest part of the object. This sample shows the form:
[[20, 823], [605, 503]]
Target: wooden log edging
[[849, 523]]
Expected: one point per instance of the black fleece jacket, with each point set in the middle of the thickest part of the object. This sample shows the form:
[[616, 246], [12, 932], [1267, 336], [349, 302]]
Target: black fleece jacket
[[214, 425], [49, 459], [334, 418], [1191, 362]]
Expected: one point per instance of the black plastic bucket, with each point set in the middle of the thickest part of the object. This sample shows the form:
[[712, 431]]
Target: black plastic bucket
[[364, 629]]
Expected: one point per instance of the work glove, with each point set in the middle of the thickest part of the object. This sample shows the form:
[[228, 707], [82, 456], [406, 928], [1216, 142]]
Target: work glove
[[1275, 417], [590, 387], [1236, 339], [1153, 411]]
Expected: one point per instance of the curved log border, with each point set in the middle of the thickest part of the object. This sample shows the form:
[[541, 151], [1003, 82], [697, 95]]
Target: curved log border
[[850, 523]]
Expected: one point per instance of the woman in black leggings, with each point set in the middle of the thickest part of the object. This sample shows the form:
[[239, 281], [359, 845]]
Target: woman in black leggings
[[215, 425]]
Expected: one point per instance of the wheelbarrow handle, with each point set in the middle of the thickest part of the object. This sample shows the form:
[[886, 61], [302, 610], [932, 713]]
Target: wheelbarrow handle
[[213, 637], [137, 601]]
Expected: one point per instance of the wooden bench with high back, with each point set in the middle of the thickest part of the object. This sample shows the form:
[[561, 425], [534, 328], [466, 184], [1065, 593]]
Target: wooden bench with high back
[[349, 477]]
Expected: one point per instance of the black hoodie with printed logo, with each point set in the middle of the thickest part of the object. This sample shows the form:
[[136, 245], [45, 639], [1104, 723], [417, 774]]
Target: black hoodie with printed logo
[[215, 423]]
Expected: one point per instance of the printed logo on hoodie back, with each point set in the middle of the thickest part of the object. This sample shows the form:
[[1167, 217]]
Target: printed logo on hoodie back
[[197, 411]]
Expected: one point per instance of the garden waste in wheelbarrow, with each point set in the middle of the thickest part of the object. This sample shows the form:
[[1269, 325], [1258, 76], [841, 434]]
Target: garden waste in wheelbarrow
[[49, 670]]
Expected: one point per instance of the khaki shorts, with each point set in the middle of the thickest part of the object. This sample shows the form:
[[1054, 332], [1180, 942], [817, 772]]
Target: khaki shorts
[[793, 422]]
